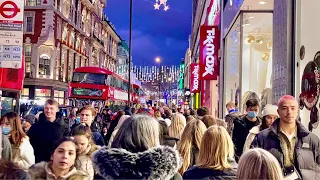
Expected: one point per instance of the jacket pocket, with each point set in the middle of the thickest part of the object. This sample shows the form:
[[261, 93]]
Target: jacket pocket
[[305, 159]]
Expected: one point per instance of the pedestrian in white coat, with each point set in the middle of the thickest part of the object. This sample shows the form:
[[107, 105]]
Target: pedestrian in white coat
[[22, 151]]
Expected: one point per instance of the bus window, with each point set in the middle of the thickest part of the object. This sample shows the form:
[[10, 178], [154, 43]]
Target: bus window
[[89, 78]]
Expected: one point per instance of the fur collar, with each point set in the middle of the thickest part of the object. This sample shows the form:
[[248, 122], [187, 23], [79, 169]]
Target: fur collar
[[90, 150], [156, 163], [40, 171]]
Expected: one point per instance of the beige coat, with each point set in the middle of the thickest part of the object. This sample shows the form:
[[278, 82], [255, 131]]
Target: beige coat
[[252, 134], [83, 161], [42, 170]]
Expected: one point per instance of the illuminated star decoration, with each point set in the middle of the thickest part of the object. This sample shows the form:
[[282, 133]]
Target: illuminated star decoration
[[158, 4]]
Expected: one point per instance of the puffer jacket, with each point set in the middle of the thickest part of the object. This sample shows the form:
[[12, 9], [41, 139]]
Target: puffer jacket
[[42, 170], [230, 118], [252, 134], [160, 163], [83, 161], [307, 149]]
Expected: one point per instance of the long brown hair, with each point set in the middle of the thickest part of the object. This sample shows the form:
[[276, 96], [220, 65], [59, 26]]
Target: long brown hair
[[17, 133]]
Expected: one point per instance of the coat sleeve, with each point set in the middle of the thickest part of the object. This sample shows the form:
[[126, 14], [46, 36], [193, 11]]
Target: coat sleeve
[[27, 158], [6, 149], [248, 142]]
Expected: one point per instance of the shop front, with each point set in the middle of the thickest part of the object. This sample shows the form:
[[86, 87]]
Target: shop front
[[247, 63], [39, 94], [307, 63]]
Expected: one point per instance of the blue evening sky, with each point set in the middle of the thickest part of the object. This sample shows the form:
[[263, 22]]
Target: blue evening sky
[[155, 32]]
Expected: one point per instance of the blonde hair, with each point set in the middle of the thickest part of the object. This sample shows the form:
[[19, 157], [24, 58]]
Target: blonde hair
[[178, 123], [216, 147], [265, 165], [191, 137]]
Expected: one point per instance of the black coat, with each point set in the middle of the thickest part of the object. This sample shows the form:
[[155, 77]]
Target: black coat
[[307, 149], [206, 173], [241, 129], [43, 134]]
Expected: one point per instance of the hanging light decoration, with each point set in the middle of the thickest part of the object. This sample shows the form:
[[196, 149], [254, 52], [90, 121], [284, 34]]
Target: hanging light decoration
[[160, 3]]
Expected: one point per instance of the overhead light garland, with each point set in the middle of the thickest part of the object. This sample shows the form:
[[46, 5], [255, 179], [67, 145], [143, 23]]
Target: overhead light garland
[[158, 4]]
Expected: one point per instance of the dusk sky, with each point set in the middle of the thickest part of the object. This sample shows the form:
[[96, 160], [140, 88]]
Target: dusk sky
[[155, 32]]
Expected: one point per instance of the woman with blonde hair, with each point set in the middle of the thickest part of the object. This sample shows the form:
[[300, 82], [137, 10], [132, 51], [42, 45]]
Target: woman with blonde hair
[[215, 160], [189, 144], [259, 164], [178, 123]]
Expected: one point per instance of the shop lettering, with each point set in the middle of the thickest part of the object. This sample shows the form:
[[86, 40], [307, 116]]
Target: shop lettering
[[195, 78], [233, 60], [209, 69]]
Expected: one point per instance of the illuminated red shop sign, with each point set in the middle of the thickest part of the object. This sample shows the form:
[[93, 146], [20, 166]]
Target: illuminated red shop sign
[[194, 78], [209, 47]]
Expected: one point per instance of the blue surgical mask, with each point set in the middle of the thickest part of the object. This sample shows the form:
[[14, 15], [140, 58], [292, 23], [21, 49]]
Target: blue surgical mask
[[6, 130], [252, 114], [78, 120]]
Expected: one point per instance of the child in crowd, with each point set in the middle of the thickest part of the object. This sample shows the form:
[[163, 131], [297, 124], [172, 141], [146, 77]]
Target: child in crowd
[[83, 137]]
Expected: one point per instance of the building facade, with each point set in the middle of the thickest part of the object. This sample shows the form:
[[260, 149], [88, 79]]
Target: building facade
[[59, 36], [204, 14]]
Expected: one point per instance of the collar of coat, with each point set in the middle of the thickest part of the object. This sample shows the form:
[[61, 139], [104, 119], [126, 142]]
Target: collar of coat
[[160, 162], [301, 130], [42, 170]]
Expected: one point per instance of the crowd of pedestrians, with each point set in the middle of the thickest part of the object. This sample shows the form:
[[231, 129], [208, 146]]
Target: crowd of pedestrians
[[160, 143]]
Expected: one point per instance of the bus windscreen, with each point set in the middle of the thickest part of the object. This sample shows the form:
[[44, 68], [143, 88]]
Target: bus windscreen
[[89, 78]]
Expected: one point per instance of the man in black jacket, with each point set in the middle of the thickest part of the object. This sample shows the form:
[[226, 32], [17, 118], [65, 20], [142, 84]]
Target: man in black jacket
[[49, 129], [296, 149], [243, 125]]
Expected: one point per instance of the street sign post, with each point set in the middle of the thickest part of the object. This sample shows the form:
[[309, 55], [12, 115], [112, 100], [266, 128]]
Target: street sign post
[[11, 33]]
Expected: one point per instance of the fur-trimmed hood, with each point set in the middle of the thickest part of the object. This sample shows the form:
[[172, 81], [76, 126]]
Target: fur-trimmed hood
[[41, 171], [160, 162]]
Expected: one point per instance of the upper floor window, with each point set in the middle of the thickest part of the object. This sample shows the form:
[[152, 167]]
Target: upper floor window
[[29, 22], [33, 2], [44, 65]]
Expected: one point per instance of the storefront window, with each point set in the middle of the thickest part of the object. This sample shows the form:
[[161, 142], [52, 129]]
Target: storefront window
[[257, 57], [307, 78], [59, 96], [43, 93], [232, 64], [25, 92]]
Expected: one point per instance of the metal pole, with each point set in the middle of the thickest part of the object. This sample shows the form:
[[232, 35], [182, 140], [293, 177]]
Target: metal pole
[[130, 53], [159, 83]]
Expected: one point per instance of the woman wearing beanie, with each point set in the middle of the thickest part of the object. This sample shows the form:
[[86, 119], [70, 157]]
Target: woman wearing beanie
[[269, 114]]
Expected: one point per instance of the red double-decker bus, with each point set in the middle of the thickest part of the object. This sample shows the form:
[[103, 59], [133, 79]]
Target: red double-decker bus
[[99, 87]]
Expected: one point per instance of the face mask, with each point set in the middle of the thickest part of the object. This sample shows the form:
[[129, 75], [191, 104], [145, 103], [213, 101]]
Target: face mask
[[6, 130], [252, 114], [78, 120]]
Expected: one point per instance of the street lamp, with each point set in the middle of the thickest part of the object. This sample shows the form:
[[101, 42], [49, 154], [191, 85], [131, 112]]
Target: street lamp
[[158, 60]]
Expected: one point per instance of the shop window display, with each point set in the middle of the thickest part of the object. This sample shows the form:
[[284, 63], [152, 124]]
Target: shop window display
[[307, 77], [232, 65], [256, 69]]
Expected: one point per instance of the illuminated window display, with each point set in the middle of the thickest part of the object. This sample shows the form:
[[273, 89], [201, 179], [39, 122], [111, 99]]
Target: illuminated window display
[[307, 77]]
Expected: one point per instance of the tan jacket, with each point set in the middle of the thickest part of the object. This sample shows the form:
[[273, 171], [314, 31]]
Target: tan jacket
[[42, 170], [83, 161]]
